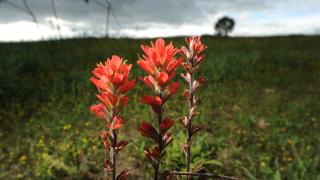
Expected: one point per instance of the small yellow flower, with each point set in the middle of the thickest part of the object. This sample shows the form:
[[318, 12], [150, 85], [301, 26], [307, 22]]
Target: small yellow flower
[[84, 140], [289, 158], [49, 171], [290, 141], [308, 147], [40, 142], [263, 164], [66, 127], [23, 158]]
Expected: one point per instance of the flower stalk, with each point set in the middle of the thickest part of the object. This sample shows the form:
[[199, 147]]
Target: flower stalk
[[160, 63], [193, 58], [113, 154], [111, 80]]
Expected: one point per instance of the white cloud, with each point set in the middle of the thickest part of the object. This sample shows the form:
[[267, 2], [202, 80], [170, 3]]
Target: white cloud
[[28, 31], [280, 26], [23, 31]]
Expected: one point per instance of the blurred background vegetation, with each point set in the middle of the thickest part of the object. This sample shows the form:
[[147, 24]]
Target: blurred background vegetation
[[260, 107]]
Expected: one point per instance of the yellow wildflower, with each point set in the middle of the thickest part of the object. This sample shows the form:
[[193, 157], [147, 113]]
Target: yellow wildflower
[[263, 164], [23, 158], [66, 127]]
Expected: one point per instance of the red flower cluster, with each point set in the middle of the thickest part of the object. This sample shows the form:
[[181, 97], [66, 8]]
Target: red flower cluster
[[193, 56], [192, 53], [111, 79], [160, 63]]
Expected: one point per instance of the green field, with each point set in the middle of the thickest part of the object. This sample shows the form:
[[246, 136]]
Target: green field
[[260, 107]]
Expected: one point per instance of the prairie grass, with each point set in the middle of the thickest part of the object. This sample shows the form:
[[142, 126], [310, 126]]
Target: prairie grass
[[260, 107]]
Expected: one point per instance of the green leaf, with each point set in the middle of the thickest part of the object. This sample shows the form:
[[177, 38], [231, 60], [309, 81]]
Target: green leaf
[[213, 162], [277, 175]]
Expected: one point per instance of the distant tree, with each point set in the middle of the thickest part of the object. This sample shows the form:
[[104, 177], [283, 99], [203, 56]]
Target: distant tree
[[224, 26]]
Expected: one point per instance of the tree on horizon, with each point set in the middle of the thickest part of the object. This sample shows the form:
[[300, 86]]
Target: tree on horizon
[[224, 26]]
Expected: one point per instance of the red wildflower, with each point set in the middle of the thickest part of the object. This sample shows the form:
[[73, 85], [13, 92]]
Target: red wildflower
[[163, 78], [104, 135], [195, 47], [153, 101], [167, 139], [159, 62], [120, 145], [146, 66], [193, 56], [200, 80], [123, 175], [150, 82], [111, 79], [147, 130], [127, 86], [102, 85], [108, 99], [113, 74], [173, 88], [123, 101], [152, 155], [108, 166], [166, 124], [116, 123], [195, 44], [99, 110], [105, 138]]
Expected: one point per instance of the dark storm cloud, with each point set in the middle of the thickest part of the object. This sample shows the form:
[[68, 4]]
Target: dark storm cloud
[[152, 18], [129, 12]]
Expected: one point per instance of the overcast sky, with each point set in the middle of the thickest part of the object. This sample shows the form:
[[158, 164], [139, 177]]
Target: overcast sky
[[154, 18]]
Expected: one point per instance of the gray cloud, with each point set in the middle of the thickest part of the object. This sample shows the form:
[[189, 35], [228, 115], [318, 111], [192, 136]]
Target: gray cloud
[[141, 15], [128, 11]]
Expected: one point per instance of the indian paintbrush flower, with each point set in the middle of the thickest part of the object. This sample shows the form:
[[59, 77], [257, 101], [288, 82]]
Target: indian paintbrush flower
[[193, 56], [111, 80], [159, 63]]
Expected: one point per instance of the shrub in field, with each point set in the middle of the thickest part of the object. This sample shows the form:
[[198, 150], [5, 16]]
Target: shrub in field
[[111, 79]]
